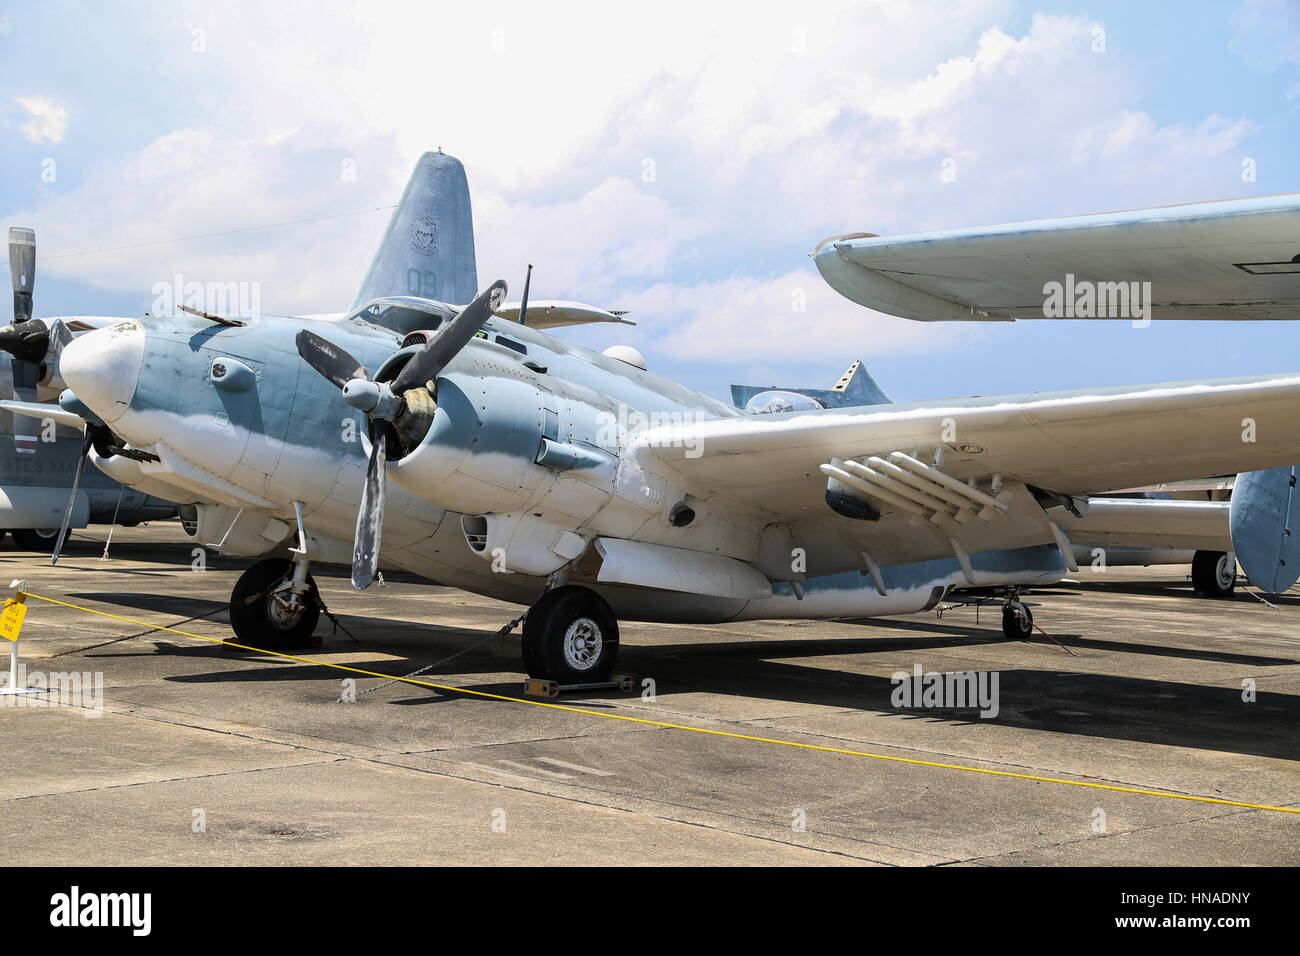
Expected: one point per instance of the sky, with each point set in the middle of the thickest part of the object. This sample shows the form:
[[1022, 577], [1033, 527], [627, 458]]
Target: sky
[[677, 160]]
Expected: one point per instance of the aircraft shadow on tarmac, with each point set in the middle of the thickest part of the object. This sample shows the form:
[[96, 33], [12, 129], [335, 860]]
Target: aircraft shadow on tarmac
[[1083, 704], [1179, 589]]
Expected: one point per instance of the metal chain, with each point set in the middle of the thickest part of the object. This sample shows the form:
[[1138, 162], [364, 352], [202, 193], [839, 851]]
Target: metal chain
[[152, 630], [335, 621], [499, 633]]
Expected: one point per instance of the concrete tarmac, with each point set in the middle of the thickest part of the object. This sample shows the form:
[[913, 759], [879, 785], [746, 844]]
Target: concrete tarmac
[[202, 755]]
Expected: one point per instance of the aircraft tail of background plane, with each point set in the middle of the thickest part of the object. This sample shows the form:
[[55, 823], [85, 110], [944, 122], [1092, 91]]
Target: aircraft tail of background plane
[[428, 250], [855, 387]]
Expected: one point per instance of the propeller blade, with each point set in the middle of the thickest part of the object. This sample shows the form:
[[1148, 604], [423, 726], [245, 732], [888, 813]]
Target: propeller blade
[[328, 359], [22, 270], [72, 499], [425, 365], [24, 376], [370, 518]]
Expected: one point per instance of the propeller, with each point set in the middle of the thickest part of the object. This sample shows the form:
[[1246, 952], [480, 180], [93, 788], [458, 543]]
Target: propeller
[[385, 403], [26, 340]]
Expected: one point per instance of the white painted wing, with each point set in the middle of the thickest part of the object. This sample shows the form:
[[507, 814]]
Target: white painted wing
[[554, 314], [1232, 259], [1064, 443]]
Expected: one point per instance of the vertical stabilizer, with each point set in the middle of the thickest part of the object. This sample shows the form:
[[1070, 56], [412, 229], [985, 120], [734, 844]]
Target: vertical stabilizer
[[428, 249], [856, 387]]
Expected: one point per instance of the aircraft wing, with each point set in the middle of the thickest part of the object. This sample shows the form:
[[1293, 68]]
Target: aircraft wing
[[1025, 451], [1233, 259]]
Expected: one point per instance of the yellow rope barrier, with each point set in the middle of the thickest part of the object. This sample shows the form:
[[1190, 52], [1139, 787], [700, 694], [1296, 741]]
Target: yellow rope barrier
[[697, 730]]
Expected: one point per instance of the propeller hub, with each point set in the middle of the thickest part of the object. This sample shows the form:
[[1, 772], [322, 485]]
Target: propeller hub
[[362, 395], [375, 399]]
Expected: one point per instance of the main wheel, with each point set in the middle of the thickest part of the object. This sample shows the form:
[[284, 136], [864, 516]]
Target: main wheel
[[260, 620], [1017, 622], [570, 636], [1214, 573], [35, 539]]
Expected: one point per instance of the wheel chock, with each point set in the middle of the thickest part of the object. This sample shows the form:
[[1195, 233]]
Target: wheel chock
[[537, 687]]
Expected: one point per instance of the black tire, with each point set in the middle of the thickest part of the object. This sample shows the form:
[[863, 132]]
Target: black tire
[[254, 614], [1214, 573], [1017, 627], [554, 650], [37, 539]]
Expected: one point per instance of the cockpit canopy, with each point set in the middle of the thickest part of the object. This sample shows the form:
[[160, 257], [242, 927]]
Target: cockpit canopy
[[778, 400]]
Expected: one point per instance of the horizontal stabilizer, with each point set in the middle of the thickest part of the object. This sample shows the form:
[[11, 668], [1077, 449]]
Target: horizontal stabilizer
[[554, 314]]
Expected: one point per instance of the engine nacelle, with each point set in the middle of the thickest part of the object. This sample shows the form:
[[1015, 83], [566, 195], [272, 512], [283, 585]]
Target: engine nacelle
[[479, 454]]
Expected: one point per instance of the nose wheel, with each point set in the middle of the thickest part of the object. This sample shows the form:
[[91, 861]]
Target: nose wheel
[[570, 636], [274, 605]]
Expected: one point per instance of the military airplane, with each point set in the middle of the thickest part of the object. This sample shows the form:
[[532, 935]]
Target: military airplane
[[479, 450], [45, 461]]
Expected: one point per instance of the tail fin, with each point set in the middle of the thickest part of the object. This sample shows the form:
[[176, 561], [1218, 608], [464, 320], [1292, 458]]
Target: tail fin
[[428, 249], [1264, 511], [855, 387]]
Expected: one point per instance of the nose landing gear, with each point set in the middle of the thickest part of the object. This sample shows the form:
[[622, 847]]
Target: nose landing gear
[[274, 604]]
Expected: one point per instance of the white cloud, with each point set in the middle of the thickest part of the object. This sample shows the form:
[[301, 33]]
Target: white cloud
[[49, 118], [795, 317], [768, 129]]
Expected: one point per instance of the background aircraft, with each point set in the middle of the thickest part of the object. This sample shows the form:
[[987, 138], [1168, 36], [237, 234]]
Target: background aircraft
[[42, 467], [526, 467]]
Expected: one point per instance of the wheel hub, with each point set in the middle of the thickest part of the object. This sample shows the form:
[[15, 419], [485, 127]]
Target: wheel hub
[[582, 644], [1226, 571], [281, 612]]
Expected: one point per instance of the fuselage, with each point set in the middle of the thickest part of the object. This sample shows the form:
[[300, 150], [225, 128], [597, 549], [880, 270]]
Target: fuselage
[[242, 425]]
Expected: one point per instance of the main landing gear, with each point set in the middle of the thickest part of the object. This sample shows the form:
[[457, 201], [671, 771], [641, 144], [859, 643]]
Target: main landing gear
[[570, 636], [35, 539], [274, 605], [1214, 573]]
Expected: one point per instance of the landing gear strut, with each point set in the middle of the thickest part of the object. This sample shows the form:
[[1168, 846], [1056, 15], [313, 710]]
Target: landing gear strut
[[274, 605], [1017, 622], [1214, 573], [570, 636]]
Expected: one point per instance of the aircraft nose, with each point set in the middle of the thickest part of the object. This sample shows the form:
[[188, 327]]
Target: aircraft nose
[[103, 367]]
